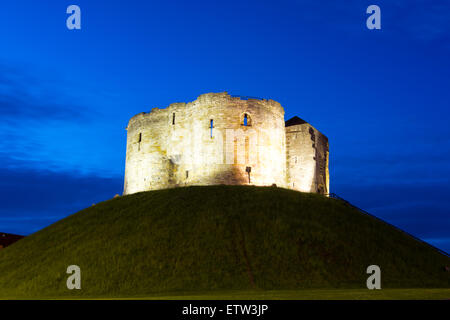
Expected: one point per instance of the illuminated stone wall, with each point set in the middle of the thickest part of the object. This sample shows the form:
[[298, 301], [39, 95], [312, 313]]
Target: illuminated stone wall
[[306, 157], [176, 146]]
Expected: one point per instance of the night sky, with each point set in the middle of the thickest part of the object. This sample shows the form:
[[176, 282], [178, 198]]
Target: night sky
[[381, 96]]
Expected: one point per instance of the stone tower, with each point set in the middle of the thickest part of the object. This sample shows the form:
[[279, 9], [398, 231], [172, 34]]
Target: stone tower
[[221, 139]]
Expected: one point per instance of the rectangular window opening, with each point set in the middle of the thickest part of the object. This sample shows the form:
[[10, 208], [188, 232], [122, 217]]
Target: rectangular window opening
[[173, 118], [139, 141], [211, 125]]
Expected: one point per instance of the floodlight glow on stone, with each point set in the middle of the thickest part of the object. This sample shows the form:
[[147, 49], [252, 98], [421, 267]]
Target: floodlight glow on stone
[[216, 138]]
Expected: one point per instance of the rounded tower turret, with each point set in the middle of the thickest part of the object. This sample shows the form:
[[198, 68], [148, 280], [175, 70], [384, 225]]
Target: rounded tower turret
[[216, 139]]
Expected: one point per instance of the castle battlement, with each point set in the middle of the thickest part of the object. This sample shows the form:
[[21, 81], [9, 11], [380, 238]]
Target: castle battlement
[[221, 139]]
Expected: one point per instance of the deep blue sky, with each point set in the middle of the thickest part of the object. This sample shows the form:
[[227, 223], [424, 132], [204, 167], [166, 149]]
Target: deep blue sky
[[382, 96]]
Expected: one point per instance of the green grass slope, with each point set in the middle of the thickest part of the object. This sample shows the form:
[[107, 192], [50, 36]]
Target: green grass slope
[[216, 238]]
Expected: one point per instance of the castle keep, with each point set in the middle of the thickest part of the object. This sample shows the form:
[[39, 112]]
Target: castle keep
[[221, 139]]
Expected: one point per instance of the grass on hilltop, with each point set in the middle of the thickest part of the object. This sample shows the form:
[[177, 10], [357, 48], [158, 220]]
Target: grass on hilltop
[[218, 239]]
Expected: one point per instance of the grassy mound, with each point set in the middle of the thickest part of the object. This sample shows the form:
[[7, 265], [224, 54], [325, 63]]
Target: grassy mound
[[216, 238]]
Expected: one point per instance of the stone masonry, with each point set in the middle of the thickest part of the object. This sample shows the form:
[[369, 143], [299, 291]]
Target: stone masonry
[[221, 139]]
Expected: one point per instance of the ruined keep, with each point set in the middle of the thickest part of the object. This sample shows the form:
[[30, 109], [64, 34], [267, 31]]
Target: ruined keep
[[223, 139]]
